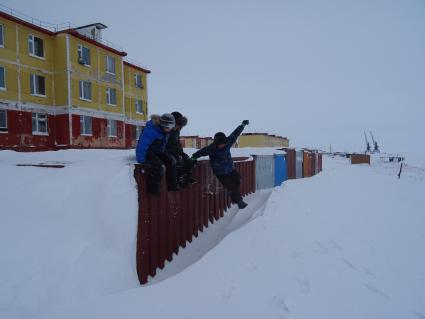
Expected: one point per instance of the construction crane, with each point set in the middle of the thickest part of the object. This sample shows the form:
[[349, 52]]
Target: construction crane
[[367, 143], [375, 144]]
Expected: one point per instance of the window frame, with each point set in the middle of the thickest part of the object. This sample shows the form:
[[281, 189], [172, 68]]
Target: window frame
[[4, 129], [31, 40], [107, 65], [80, 52], [2, 35], [141, 81], [82, 95], [108, 96], [141, 105], [109, 127], [36, 130], [3, 88], [34, 85], [83, 119], [138, 131]]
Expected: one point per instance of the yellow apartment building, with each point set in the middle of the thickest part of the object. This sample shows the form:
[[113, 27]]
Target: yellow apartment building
[[65, 86]]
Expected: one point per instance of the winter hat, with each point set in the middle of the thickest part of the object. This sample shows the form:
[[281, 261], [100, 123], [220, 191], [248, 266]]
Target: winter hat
[[220, 138], [167, 120], [180, 119]]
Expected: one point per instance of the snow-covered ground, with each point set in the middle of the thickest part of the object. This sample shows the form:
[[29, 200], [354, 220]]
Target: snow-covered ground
[[347, 243]]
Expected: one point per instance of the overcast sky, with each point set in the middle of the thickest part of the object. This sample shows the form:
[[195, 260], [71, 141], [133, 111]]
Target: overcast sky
[[318, 71]]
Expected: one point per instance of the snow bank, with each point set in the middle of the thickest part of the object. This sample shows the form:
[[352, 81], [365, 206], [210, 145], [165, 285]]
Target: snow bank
[[346, 243]]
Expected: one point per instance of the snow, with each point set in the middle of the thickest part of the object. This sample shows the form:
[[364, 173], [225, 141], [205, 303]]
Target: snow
[[346, 243]]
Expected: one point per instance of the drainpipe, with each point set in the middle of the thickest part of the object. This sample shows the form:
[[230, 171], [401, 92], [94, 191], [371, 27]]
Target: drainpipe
[[68, 71]]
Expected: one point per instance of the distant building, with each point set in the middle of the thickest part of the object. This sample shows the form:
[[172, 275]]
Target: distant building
[[189, 141], [204, 141], [67, 88], [262, 140]]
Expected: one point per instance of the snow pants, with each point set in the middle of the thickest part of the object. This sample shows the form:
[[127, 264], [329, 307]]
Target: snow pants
[[155, 165], [184, 169], [232, 183]]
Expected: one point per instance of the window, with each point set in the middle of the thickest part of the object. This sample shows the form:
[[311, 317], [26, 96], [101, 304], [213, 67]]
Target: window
[[138, 81], [85, 125], [138, 130], [1, 36], [2, 78], [83, 55], [110, 64], [112, 128], [139, 106], [38, 85], [35, 46], [111, 96], [39, 123], [85, 91], [3, 121]]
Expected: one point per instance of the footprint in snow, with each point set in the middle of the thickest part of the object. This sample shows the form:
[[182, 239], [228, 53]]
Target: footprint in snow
[[303, 285], [228, 293], [321, 249], [348, 263], [279, 304], [377, 291], [336, 246], [367, 271]]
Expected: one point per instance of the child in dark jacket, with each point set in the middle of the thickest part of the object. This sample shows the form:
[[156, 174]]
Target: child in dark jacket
[[151, 151], [222, 164], [174, 148]]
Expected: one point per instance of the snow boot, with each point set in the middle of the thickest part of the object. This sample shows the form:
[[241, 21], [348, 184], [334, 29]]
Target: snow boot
[[242, 204]]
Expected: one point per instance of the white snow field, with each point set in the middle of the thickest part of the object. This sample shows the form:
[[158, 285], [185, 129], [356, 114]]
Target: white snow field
[[347, 243]]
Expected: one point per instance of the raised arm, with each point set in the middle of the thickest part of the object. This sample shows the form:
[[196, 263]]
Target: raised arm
[[235, 134]]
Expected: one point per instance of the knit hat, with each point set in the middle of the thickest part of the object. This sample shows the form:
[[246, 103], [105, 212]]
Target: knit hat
[[167, 120], [220, 138], [180, 119]]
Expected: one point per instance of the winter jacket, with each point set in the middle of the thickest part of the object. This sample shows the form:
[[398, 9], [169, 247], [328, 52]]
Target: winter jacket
[[173, 145], [153, 139], [220, 159]]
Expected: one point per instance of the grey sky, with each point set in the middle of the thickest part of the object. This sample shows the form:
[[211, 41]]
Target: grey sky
[[320, 71]]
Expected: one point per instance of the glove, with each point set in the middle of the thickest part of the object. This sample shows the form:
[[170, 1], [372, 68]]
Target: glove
[[245, 122], [194, 160]]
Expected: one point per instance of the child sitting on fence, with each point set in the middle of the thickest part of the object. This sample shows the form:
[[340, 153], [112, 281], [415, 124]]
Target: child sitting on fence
[[151, 151], [174, 148], [222, 164]]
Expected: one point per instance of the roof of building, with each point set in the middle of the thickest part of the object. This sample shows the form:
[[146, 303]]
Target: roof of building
[[72, 31]]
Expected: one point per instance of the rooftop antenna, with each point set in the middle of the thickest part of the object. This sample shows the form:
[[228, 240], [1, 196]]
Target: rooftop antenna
[[367, 143], [375, 144]]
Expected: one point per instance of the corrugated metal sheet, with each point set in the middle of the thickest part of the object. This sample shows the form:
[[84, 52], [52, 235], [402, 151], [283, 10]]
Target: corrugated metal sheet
[[264, 171], [320, 162], [280, 170], [290, 162], [313, 163], [168, 222], [307, 164], [299, 158]]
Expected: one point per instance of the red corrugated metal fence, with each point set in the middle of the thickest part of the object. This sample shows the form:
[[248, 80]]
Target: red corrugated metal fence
[[168, 222]]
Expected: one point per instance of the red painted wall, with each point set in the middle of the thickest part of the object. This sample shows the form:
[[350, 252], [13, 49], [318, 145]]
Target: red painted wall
[[99, 137], [19, 135], [130, 133]]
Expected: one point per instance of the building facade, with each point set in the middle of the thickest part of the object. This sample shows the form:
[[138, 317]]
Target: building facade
[[67, 89], [262, 140]]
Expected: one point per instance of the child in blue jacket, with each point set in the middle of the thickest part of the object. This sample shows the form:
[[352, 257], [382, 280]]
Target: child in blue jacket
[[222, 164], [151, 151]]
